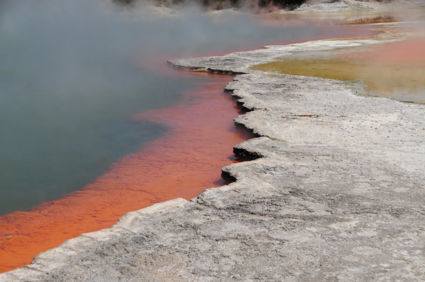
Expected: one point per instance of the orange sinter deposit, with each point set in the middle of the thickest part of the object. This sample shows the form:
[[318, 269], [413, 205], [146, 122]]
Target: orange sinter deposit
[[411, 51], [395, 70], [181, 164]]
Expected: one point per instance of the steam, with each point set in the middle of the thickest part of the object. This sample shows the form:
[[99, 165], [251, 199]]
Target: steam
[[71, 78], [252, 5]]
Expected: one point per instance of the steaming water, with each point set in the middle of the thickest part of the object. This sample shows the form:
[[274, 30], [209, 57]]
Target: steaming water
[[72, 75]]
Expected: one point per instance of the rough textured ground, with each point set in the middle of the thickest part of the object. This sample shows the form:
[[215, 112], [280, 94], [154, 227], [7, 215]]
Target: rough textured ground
[[355, 10], [336, 192]]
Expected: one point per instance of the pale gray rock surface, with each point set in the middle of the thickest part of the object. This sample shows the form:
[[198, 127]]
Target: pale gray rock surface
[[352, 10], [336, 192]]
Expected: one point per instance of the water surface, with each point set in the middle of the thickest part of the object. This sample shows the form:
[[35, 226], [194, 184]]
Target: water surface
[[73, 73]]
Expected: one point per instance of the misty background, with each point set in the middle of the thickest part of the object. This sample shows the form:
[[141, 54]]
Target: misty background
[[72, 73], [254, 5]]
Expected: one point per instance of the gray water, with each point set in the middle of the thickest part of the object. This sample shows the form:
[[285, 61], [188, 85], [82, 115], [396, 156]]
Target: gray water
[[72, 75]]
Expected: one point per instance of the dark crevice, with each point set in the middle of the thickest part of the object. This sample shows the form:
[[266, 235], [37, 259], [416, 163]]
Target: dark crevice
[[219, 71], [242, 126], [228, 177], [242, 107], [239, 103], [245, 155]]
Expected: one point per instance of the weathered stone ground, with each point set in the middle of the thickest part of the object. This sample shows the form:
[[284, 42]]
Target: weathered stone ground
[[354, 10], [336, 193]]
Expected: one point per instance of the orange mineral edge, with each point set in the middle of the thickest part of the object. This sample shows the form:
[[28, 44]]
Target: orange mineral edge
[[187, 160]]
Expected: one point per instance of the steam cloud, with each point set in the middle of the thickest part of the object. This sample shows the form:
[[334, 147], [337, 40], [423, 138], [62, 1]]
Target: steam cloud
[[70, 78]]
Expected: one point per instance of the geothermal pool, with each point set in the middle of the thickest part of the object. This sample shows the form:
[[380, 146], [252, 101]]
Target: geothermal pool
[[94, 124]]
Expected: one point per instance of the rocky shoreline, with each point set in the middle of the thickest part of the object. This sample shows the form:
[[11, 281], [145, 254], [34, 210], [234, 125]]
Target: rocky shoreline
[[335, 191]]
